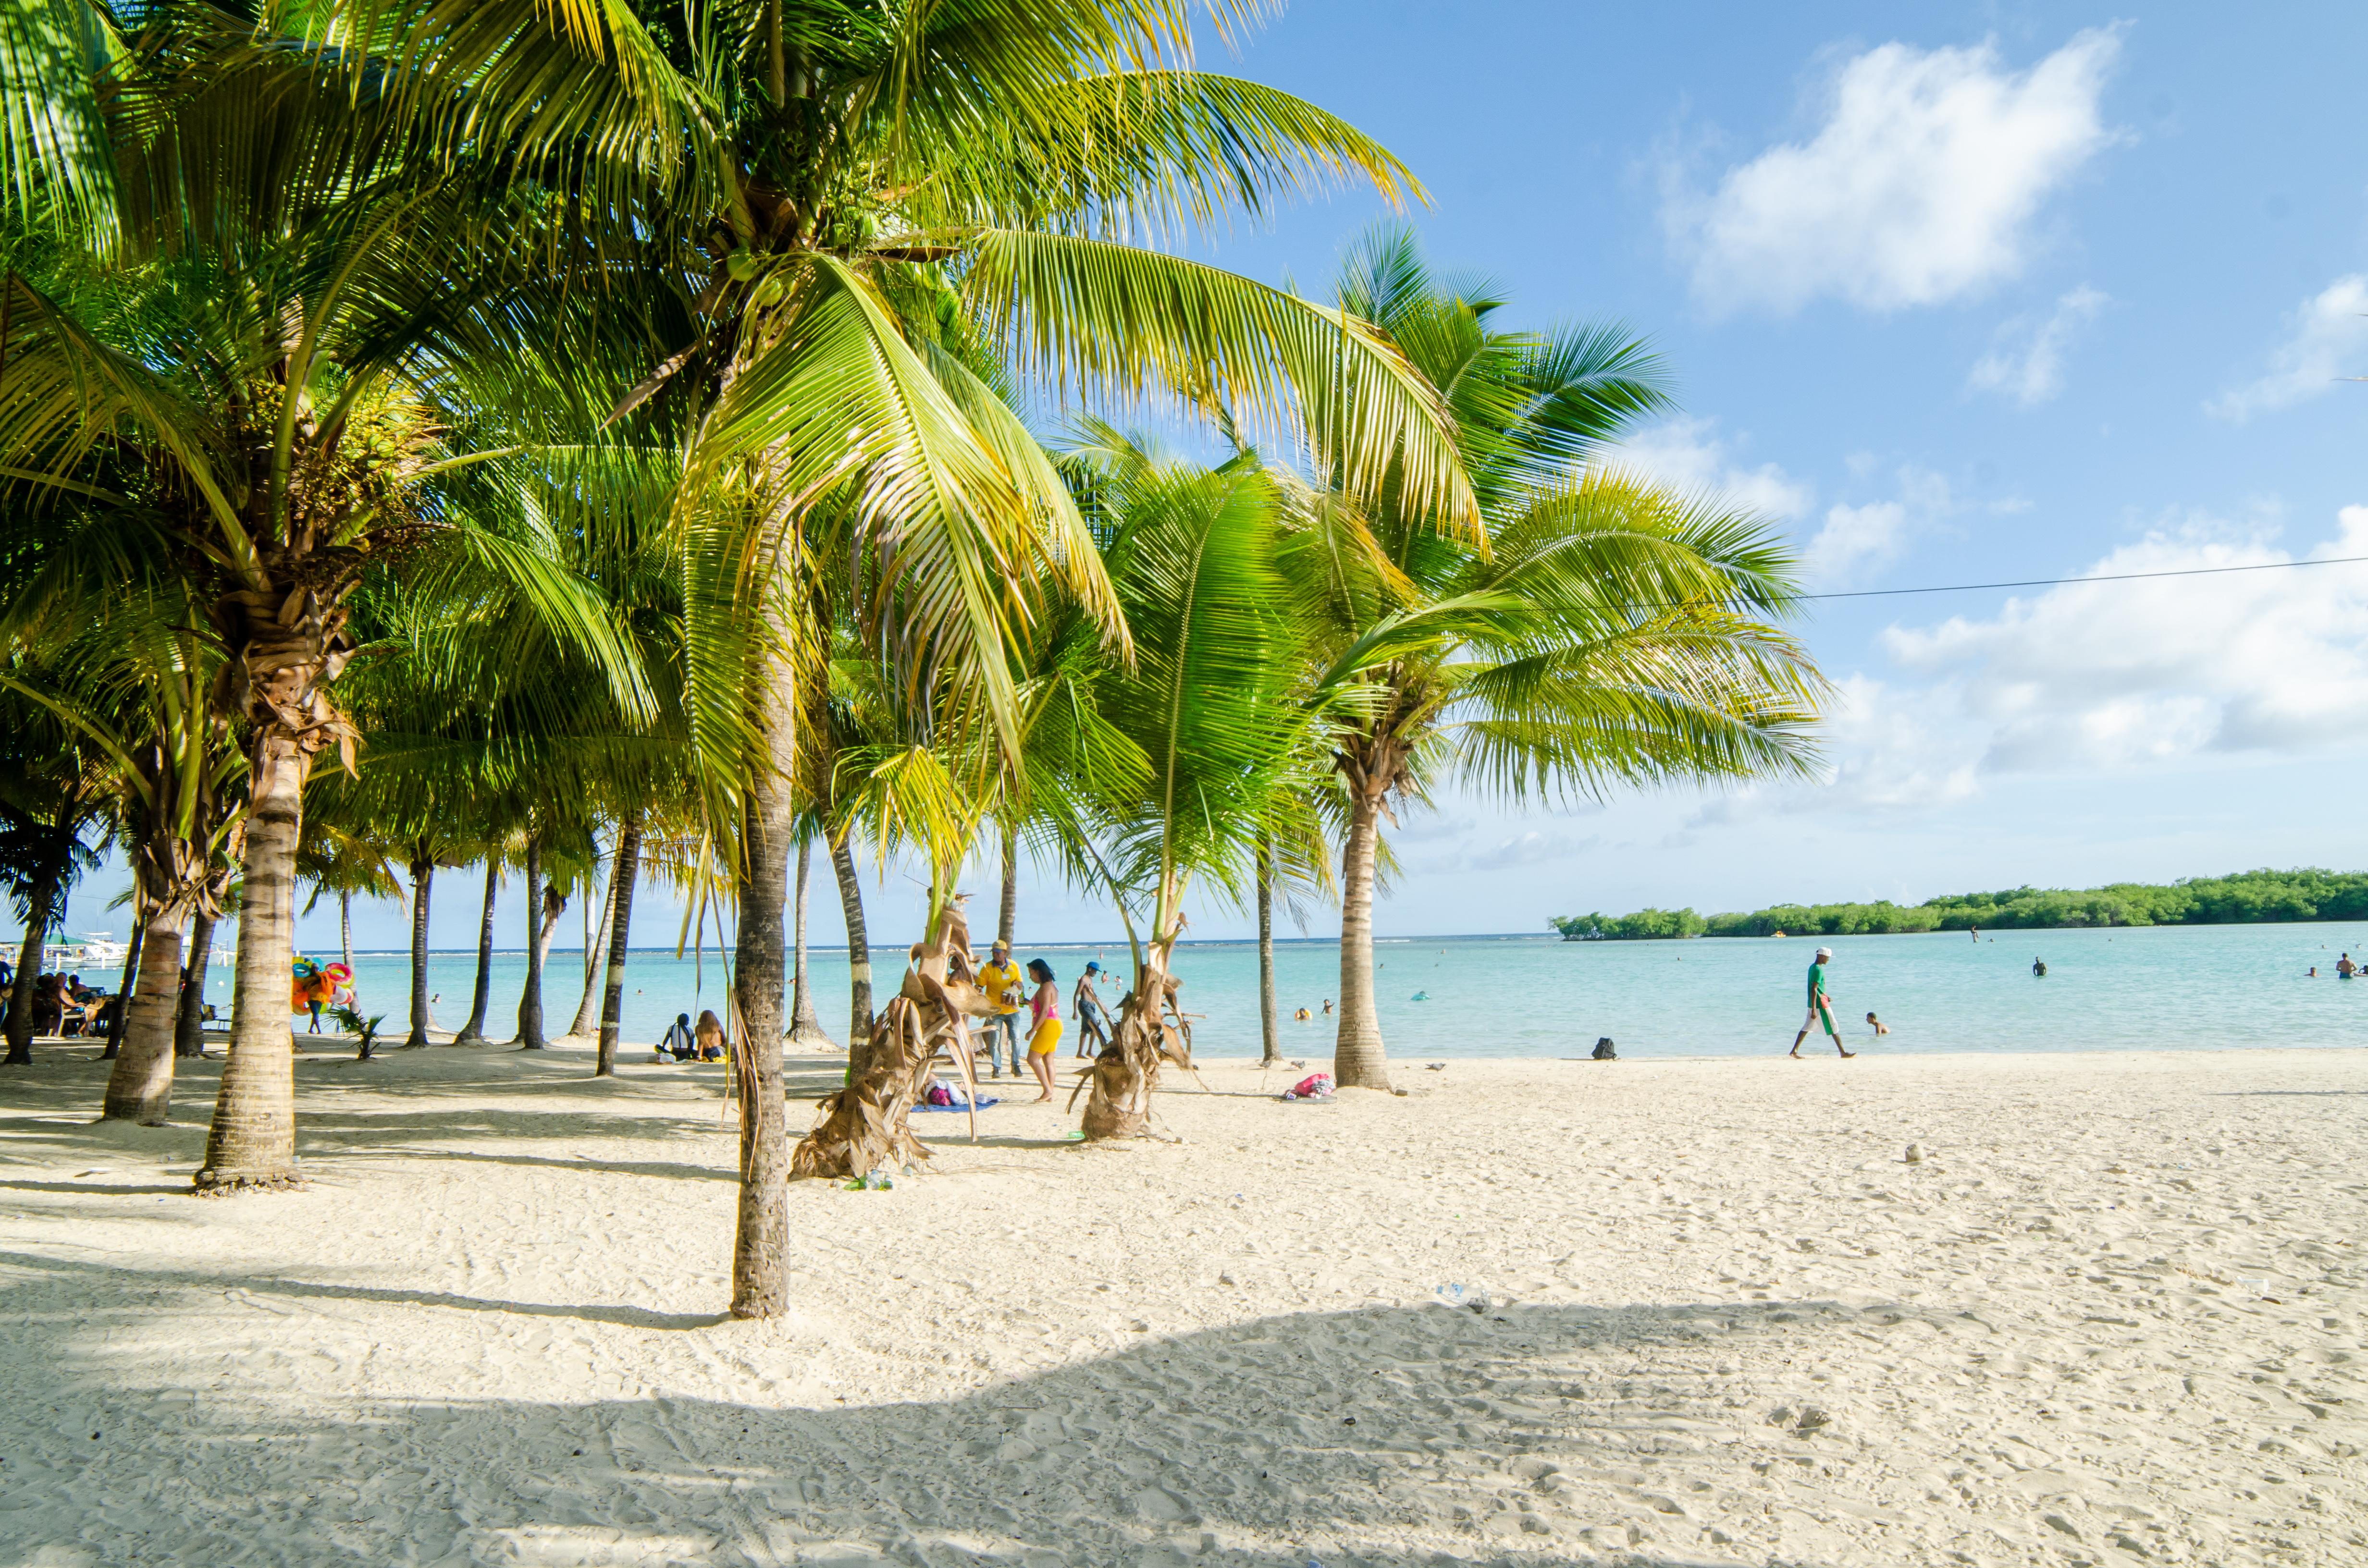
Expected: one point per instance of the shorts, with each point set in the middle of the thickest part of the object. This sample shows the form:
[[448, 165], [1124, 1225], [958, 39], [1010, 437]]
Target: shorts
[[1046, 1040], [1820, 1014]]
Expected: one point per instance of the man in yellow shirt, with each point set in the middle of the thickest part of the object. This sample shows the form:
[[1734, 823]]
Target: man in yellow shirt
[[1005, 987]]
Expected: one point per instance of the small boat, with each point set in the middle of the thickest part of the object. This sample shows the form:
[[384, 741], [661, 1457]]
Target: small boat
[[97, 950]]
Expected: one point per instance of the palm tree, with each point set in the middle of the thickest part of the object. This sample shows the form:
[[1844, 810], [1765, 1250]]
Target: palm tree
[[54, 790], [136, 683], [246, 303], [1216, 727], [1603, 633]]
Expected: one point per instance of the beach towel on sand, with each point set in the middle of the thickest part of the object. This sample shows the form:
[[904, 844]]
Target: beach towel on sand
[[940, 1095], [1314, 1086]]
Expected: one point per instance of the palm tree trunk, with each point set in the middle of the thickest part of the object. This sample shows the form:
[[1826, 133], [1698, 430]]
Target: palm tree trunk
[[28, 973], [1006, 924], [1270, 1037], [140, 1086], [473, 1031], [620, 921], [760, 1253], [858, 944], [190, 1029], [805, 1027], [529, 1017], [126, 988], [252, 1142], [422, 881], [1357, 1058], [345, 928], [589, 1005]]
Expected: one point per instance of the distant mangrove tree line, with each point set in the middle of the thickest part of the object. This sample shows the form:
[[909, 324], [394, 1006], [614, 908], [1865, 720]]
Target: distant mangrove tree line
[[2245, 898]]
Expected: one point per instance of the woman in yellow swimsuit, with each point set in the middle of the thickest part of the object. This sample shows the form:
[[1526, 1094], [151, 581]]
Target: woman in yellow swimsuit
[[1044, 1037]]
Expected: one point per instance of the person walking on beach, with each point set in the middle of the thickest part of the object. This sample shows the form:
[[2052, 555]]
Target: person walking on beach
[[1821, 1007], [1091, 1034], [1044, 1031], [1005, 988]]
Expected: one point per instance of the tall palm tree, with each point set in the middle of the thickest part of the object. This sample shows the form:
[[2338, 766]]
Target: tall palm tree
[[135, 681], [1603, 633], [271, 256]]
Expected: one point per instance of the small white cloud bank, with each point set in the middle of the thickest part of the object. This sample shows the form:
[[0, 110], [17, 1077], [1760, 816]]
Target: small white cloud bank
[[1858, 540], [2025, 361], [2327, 339], [2128, 673], [1689, 454], [1922, 183]]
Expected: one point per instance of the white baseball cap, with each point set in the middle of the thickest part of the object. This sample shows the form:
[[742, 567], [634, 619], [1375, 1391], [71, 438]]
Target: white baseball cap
[[1825, 952]]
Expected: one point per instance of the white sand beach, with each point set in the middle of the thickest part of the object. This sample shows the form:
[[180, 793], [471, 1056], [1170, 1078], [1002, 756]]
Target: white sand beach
[[1535, 1311]]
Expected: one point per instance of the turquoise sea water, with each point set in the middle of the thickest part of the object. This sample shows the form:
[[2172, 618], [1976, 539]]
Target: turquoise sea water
[[2175, 987]]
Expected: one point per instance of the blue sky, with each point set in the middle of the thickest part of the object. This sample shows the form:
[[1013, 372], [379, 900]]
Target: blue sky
[[1956, 294]]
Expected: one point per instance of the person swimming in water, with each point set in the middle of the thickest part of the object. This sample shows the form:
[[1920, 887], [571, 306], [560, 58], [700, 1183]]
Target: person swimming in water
[[2344, 968], [1881, 1029]]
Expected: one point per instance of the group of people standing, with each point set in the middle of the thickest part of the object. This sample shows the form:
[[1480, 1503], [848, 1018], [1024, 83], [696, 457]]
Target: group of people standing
[[1010, 987]]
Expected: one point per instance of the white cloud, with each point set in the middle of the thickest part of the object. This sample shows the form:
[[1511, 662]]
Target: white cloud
[[2327, 337], [1920, 185], [1888, 748], [2109, 675], [1691, 455], [1858, 540], [2027, 363]]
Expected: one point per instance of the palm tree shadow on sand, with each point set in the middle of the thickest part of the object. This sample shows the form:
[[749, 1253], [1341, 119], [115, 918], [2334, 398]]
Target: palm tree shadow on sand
[[1383, 1436]]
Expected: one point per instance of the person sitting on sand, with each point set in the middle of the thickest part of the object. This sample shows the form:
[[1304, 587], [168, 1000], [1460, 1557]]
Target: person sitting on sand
[[1881, 1029], [1821, 1007], [677, 1042], [1091, 1034], [710, 1036], [1044, 1031]]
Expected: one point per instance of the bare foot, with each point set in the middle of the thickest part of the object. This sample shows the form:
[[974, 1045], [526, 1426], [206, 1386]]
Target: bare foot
[[1794, 1054], [1847, 1053], [1040, 1099]]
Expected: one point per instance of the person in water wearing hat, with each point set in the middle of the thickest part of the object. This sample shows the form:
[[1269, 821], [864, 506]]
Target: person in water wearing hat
[[1821, 1007], [1091, 1034], [1006, 989]]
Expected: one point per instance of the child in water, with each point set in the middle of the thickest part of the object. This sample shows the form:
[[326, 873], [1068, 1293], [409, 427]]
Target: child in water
[[1881, 1028]]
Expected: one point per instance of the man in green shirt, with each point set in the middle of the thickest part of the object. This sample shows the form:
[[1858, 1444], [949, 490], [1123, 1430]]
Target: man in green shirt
[[1821, 1007], [1005, 987]]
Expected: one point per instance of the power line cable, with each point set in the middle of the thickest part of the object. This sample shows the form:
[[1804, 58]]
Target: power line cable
[[2109, 577]]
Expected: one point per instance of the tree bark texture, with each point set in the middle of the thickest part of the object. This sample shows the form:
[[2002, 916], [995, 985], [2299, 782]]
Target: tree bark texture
[[1270, 1037], [621, 923], [805, 1027], [423, 883], [1126, 1072], [587, 1007], [38, 917], [1359, 1061], [190, 1027], [139, 1088], [346, 927], [866, 1125], [252, 1143], [287, 645], [858, 943], [127, 988], [760, 1251], [473, 1031], [1006, 920], [530, 1015]]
